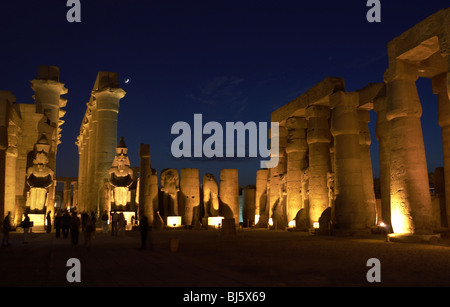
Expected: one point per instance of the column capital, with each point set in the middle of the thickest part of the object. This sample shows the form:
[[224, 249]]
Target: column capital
[[400, 70], [109, 92], [364, 133], [144, 150], [315, 111], [440, 88], [296, 135], [52, 85], [344, 99], [344, 119]]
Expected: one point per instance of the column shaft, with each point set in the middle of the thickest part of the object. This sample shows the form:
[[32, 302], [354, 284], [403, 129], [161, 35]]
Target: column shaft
[[318, 138], [411, 210]]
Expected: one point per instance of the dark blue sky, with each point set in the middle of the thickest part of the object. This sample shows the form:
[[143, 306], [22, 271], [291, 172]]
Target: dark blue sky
[[229, 60]]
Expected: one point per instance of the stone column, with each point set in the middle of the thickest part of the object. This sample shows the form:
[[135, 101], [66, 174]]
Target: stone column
[[383, 134], [296, 148], [10, 174], [229, 194], [277, 197], [190, 196], [248, 210], [6, 100], [366, 166], [411, 210], [350, 211], [67, 194], [262, 176], [145, 201], [318, 138], [93, 182], [107, 100], [440, 88]]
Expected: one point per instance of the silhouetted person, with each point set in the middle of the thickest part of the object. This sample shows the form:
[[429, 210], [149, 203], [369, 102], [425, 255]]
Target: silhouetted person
[[58, 223], [74, 228], [105, 221], [84, 218], [6, 229], [65, 224], [89, 230], [49, 222], [114, 220], [26, 227]]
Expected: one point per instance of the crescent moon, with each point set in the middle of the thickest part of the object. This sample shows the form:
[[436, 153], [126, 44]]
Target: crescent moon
[[127, 80]]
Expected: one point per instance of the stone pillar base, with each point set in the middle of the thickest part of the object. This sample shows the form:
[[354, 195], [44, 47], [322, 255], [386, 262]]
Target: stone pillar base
[[411, 238]]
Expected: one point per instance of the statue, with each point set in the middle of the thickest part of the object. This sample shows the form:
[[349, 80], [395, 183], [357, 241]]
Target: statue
[[170, 186], [210, 195], [39, 176], [331, 188], [121, 175]]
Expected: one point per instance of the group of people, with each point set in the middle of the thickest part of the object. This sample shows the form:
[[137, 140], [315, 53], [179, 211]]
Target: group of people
[[67, 222]]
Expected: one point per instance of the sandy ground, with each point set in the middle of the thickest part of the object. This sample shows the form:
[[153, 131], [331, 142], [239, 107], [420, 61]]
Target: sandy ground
[[255, 258]]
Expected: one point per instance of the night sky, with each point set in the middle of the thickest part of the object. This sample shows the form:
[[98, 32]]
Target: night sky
[[228, 60]]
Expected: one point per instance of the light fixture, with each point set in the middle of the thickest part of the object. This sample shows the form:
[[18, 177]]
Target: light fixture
[[256, 218], [215, 221], [291, 224], [270, 222], [316, 225], [174, 221]]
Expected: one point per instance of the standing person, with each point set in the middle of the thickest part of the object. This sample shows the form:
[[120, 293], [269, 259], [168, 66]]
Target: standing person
[[89, 230], [6, 229], [74, 228], [121, 223], [114, 220], [58, 223], [49, 222], [26, 227], [65, 224], [105, 221]]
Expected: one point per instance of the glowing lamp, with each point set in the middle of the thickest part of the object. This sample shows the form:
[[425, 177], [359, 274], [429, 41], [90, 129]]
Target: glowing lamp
[[382, 224], [316, 225], [174, 221], [215, 221], [256, 218], [270, 222], [291, 224]]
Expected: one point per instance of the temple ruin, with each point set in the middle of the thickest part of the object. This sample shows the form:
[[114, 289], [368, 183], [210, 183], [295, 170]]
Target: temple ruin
[[323, 179]]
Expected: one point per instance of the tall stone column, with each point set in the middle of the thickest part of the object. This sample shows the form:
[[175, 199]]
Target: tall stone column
[[296, 148], [145, 201], [67, 194], [107, 109], [248, 209], [261, 197], [411, 210], [10, 174], [440, 88], [318, 139], [277, 184], [366, 166], [383, 136], [93, 182], [190, 196], [229, 194], [350, 211], [6, 101], [48, 90]]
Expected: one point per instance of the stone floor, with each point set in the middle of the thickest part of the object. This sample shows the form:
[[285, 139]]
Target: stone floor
[[256, 258]]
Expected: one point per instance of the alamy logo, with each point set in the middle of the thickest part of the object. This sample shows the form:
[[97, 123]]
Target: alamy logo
[[213, 146]]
